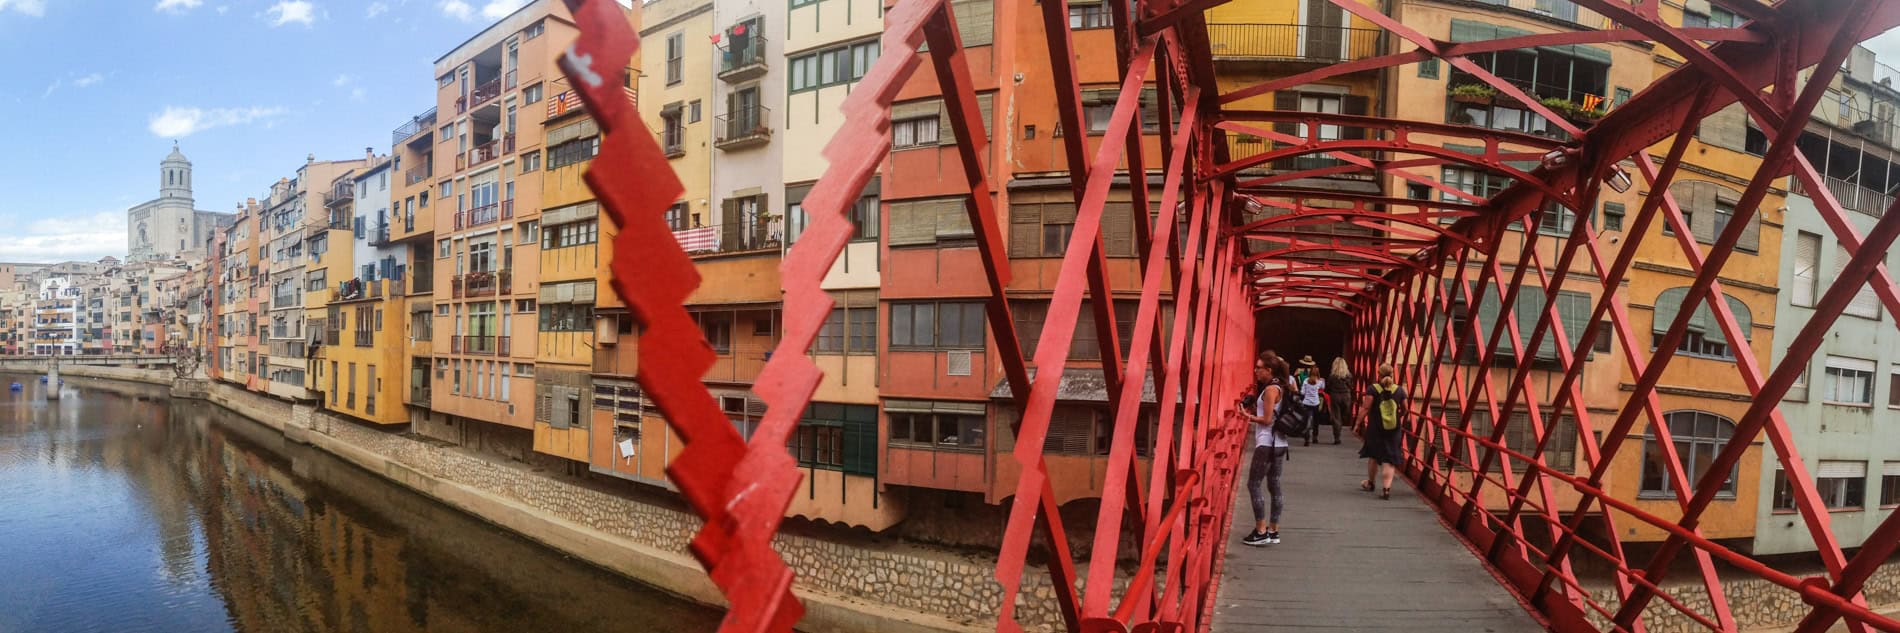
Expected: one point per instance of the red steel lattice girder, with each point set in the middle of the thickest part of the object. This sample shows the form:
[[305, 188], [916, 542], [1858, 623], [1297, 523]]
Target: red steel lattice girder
[[1398, 287]]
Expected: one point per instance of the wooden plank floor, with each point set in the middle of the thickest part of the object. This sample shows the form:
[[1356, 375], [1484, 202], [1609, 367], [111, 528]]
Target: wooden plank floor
[[1349, 561]]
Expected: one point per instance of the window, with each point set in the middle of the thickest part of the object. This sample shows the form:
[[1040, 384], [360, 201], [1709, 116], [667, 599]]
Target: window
[[315, 280], [832, 66], [1612, 216], [915, 425], [533, 31], [567, 317], [672, 130], [1807, 263], [946, 325], [1030, 314], [1842, 484], [1098, 106], [864, 218], [1698, 437], [1556, 219], [1849, 381], [837, 437], [1718, 17], [1478, 183], [1724, 212], [1428, 69], [1560, 451], [717, 328], [1893, 387], [1606, 338], [848, 331], [571, 234], [573, 152], [1784, 493], [1695, 343], [1889, 484], [1089, 16], [1040, 225], [531, 94], [675, 58], [676, 216], [916, 132], [1865, 304], [1704, 337], [530, 161], [692, 111]]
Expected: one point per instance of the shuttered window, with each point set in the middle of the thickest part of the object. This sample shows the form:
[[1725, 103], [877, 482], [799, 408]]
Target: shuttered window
[[1704, 337], [1041, 223], [918, 222], [1070, 428], [951, 426], [1866, 304], [848, 330], [1842, 484], [1707, 208], [976, 21], [1889, 484], [1807, 266], [1030, 314], [1573, 309], [1849, 381]]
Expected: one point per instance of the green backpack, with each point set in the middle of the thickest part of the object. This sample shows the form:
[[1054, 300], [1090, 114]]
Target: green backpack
[[1385, 401]]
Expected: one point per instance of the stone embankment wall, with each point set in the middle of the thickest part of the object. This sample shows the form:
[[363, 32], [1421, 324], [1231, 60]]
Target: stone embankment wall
[[1758, 605], [848, 583]]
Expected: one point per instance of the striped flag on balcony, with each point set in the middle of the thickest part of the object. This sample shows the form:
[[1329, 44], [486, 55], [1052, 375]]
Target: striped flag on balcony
[[696, 240], [569, 101]]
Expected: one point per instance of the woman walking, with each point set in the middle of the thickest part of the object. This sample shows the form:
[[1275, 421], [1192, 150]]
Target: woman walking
[[1311, 385], [1384, 430], [1269, 451], [1340, 387]]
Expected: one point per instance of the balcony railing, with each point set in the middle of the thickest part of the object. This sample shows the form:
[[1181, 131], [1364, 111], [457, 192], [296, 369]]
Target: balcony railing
[[1852, 196], [485, 344], [1294, 42], [486, 152], [483, 93], [747, 127], [339, 195], [418, 173], [379, 236], [1563, 10], [365, 338], [421, 123], [485, 214], [744, 61], [481, 284], [419, 395]]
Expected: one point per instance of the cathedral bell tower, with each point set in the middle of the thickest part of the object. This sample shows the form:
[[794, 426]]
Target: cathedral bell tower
[[174, 177]]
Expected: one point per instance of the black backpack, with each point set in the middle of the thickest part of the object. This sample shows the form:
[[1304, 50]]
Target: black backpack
[[1292, 419]]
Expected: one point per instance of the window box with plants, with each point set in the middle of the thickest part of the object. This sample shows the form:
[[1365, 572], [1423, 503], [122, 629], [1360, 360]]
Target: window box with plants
[[1474, 93]]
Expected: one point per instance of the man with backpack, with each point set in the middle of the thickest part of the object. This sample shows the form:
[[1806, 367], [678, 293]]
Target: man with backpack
[[1385, 430], [1274, 419]]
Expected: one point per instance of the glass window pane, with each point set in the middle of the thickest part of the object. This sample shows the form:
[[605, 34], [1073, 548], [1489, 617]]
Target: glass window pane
[[952, 326], [924, 327]]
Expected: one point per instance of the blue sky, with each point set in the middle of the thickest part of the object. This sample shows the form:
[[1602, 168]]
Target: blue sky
[[99, 89]]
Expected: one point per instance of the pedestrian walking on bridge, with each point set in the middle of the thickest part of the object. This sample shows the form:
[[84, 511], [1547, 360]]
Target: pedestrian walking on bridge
[[1385, 429]]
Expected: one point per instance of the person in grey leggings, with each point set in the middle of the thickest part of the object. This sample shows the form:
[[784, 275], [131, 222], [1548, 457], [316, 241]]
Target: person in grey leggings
[[1269, 452]]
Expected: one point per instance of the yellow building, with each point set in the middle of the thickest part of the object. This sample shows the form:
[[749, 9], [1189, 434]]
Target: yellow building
[[676, 98], [362, 359], [570, 267]]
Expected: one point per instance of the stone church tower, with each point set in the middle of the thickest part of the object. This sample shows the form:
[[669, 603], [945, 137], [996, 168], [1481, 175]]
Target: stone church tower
[[168, 226]]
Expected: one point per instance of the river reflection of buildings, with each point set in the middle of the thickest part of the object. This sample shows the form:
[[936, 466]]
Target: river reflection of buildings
[[289, 554]]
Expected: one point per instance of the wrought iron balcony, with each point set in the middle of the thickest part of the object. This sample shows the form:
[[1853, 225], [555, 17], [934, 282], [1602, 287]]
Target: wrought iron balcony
[[1293, 42], [743, 128], [743, 62], [482, 94], [481, 284]]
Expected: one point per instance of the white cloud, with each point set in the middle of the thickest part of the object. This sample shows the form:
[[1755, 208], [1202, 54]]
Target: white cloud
[[35, 8], [76, 237], [498, 9], [342, 80], [177, 6], [178, 122], [358, 93], [287, 11], [88, 81], [223, 9], [376, 9], [453, 8], [491, 10], [52, 87]]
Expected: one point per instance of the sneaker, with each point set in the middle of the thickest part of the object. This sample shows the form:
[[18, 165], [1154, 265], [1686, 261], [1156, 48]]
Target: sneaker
[[1256, 538], [1272, 538]]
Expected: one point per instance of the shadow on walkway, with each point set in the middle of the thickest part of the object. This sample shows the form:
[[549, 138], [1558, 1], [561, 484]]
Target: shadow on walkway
[[1349, 561]]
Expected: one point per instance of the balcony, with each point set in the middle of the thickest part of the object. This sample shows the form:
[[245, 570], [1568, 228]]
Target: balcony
[[747, 127], [1293, 42], [485, 214], [481, 344], [744, 61], [481, 284], [340, 194], [379, 235], [485, 152], [482, 94], [419, 395], [1852, 196], [419, 173], [365, 338], [417, 125]]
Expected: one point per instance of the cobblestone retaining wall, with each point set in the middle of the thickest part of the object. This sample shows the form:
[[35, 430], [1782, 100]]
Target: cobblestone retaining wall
[[923, 588], [1758, 605]]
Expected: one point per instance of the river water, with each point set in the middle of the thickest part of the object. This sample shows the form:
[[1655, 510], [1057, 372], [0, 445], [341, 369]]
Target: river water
[[124, 511]]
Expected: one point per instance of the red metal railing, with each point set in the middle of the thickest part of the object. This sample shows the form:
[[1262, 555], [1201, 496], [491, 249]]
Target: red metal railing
[[1405, 286]]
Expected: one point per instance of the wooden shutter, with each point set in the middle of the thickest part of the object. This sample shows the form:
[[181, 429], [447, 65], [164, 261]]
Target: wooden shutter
[[912, 223], [1118, 229], [953, 218], [1807, 264], [860, 439], [976, 21], [1865, 303], [1726, 128], [986, 104], [1069, 430], [1025, 229]]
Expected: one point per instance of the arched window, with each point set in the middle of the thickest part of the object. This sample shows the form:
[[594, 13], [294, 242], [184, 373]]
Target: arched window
[[1704, 337], [1698, 437]]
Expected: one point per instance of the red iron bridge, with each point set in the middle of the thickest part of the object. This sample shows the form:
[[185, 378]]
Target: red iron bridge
[[1478, 540]]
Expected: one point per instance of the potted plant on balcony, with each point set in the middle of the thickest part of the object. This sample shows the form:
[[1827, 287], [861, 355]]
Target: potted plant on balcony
[[1473, 93]]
